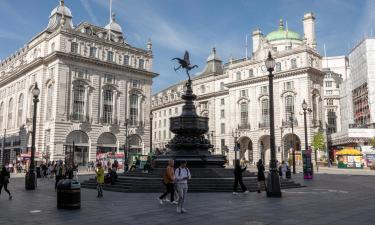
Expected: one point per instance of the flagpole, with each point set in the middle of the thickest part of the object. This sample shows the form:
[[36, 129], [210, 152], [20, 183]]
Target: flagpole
[[110, 20]]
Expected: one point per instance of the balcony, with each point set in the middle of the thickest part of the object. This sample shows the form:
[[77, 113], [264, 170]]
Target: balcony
[[79, 118], [354, 125], [288, 123], [245, 126], [264, 125], [136, 123], [109, 121]]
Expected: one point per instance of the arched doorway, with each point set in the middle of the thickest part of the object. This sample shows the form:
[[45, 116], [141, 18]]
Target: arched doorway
[[264, 149], [107, 145], [290, 142], [135, 144], [246, 149], [77, 147]]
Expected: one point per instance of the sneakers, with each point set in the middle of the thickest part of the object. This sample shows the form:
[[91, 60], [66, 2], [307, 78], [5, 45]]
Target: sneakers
[[160, 201], [174, 202], [184, 210], [178, 210], [10, 197], [235, 193], [167, 200], [246, 192]]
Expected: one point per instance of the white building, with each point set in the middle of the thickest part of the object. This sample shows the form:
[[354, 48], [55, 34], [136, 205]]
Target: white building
[[91, 82], [234, 95]]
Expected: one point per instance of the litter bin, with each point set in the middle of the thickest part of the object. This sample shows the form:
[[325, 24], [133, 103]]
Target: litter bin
[[68, 194], [38, 172]]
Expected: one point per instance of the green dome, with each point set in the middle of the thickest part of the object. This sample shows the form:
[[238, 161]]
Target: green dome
[[282, 34]]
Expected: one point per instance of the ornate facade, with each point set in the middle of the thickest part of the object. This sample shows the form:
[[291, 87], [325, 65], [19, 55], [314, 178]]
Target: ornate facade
[[234, 96], [92, 82]]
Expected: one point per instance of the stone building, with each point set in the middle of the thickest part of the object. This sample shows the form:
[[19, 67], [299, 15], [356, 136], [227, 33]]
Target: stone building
[[234, 95], [92, 82]]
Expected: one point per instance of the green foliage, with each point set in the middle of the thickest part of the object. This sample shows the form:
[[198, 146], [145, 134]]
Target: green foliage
[[318, 141], [372, 142]]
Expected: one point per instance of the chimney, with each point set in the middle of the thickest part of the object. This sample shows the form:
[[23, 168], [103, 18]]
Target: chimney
[[309, 29], [257, 35]]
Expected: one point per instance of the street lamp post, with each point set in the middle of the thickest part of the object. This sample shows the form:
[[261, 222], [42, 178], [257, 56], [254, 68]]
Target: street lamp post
[[30, 181], [151, 119], [212, 141], [293, 149], [308, 172], [304, 107], [3, 153], [281, 143], [273, 187], [235, 134], [126, 151]]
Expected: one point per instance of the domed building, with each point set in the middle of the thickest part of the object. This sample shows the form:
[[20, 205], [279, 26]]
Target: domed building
[[234, 95], [94, 88]]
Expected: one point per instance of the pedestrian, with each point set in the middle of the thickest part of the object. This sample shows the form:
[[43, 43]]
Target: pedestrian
[[182, 175], [238, 170], [99, 179], [168, 181], [261, 178], [284, 168], [4, 181]]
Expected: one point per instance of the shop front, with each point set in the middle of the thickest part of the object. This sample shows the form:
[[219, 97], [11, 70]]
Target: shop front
[[349, 158]]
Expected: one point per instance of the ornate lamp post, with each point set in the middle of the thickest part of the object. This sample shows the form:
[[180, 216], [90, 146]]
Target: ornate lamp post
[[273, 187], [151, 119], [293, 150], [235, 135], [304, 107], [126, 151], [212, 141], [30, 181], [307, 167]]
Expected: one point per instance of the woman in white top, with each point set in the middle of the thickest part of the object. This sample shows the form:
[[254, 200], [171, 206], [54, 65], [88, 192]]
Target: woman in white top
[[182, 175]]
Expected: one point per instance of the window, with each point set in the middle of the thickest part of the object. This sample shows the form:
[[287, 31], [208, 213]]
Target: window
[[329, 92], [288, 47], [222, 101], [278, 67], [93, 52], [330, 102], [289, 107], [265, 112], [222, 144], [78, 102], [328, 83], [159, 123], [288, 85], [251, 73], [222, 128], [107, 106], [74, 47], [244, 113], [135, 84], [221, 86], [109, 78], [243, 93], [274, 49], [204, 105], [238, 75], [165, 113], [51, 72], [331, 121], [164, 134], [175, 110], [1, 115], [165, 122], [134, 109], [293, 63], [203, 89], [222, 113], [141, 64], [49, 102], [170, 111], [126, 60], [264, 90], [10, 114], [110, 56]]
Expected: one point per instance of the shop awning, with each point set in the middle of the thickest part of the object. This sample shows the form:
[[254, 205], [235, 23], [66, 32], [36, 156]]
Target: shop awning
[[349, 151]]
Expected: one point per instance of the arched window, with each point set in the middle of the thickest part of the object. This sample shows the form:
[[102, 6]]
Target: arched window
[[108, 106], [265, 112], [289, 107], [49, 102], [20, 110], [278, 67], [244, 113], [293, 63], [78, 102], [1, 115], [134, 109], [10, 114]]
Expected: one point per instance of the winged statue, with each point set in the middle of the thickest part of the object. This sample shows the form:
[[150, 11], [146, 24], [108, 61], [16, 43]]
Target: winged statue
[[185, 63]]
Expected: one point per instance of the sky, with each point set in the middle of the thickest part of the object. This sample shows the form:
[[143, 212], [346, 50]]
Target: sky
[[195, 25]]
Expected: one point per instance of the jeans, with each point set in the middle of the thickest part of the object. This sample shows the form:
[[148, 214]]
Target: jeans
[[100, 189], [170, 189], [5, 185], [182, 189], [236, 181]]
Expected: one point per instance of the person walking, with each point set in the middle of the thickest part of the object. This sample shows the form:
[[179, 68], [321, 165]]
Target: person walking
[[4, 181], [238, 170], [168, 181], [182, 175], [99, 179], [261, 178], [283, 169]]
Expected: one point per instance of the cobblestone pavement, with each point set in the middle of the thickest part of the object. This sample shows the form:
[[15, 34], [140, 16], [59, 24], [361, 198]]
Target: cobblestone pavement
[[328, 199]]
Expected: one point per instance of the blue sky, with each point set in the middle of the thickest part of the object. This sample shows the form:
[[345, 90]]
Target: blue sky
[[195, 25]]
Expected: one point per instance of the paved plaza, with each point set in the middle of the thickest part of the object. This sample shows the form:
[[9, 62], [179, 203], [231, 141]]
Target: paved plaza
[[328, 199]]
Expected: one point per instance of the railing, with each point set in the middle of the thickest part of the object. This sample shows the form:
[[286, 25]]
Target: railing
[[80, 118], [109, 121], [354, 125], [264, 125], [288, 123], [245, 126]]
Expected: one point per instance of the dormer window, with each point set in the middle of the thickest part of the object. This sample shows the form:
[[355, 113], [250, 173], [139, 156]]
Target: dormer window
[[110, 56], [126, 60], [74, 47], [141, 64], [93, 52]]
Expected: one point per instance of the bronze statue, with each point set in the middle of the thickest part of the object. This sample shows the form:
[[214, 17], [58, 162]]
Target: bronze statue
[[185, 64]]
